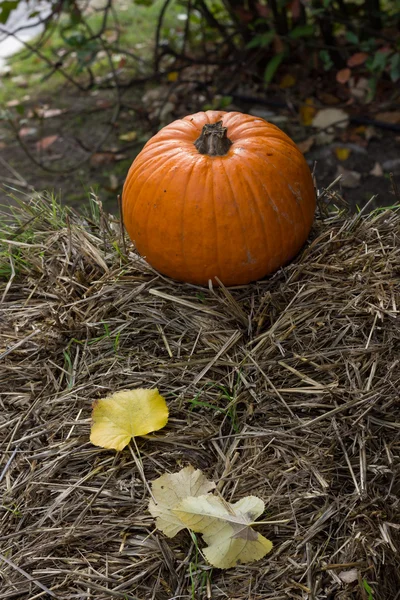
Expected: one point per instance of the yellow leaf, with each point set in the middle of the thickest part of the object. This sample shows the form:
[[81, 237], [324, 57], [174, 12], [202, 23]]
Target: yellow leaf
[[124, 415], [128, 137], [287, 81], [173, 76], [307, 112], [226, 528], [342, 153], [168, 491], [360, 129]]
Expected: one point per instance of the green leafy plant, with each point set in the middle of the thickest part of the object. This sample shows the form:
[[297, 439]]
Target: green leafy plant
[[368, 589], [272, 66], [6, 8], [219, 103], [261, 40]]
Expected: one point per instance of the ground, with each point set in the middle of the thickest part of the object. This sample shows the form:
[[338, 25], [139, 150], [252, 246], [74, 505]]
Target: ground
[[61, 132]]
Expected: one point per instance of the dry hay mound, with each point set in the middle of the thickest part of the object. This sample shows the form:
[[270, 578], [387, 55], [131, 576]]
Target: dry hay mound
[[286, 389]]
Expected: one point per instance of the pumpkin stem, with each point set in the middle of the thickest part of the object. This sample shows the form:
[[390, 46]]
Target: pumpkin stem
[[213, 140]]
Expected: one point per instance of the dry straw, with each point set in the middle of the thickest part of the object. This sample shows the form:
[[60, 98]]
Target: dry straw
[[287, 388]]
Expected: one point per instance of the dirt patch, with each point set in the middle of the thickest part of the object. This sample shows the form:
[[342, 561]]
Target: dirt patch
[[385, 149], [77, 146], [62, 135]]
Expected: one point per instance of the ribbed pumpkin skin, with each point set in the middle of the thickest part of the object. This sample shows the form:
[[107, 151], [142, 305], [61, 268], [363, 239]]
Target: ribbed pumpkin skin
[[238, 217]]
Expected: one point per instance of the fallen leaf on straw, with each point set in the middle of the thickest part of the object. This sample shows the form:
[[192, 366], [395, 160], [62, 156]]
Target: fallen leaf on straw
[[181, 500], [127, 414], [168, 491], [226, 528]]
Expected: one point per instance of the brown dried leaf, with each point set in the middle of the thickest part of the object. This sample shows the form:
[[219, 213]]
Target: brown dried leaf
[[287, 81], [121, 62], [392, 117], [48, 113], [328, 99], [46, 142], [102, 158], [263, 11], [278, 44], [12, 103], [27, 132], [103, 103], [343, 75], [295, 7], [357, 59], [306, 145]]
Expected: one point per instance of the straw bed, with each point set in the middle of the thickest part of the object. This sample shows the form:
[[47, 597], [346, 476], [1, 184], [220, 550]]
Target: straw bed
[[287, 389]]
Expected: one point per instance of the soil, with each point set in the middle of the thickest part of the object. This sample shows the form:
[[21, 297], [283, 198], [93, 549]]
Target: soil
[[384, 149], [62, 133]]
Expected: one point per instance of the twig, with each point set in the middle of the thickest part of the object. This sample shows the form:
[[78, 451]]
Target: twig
[[121, 223], [139, 465], [8, 463], [158, 33]]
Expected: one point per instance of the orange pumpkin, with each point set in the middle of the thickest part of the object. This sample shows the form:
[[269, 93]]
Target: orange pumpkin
[[219, 194]]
